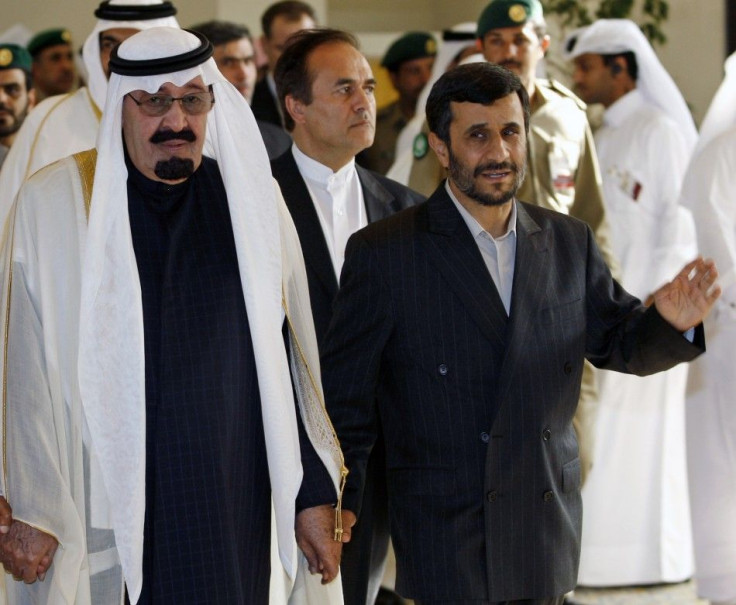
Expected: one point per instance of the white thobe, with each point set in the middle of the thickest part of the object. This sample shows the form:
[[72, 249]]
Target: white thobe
[[708, 191], [636, 526], [48, 480], [57, 127]]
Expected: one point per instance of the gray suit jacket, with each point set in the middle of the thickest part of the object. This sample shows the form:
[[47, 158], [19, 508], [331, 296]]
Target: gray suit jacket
[[476, 406]]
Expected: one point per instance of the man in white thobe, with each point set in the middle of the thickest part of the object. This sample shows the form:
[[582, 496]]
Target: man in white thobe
[[643, 148], [100, 381], [708, 190]]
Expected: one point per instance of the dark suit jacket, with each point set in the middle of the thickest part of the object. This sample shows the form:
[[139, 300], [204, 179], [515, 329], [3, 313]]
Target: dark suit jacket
[[383, 197], [476, 406], [265, 105], [276, 139]]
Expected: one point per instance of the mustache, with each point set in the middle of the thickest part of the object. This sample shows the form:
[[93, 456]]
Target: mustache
[[510, 63], [170, 135], [495, 167]]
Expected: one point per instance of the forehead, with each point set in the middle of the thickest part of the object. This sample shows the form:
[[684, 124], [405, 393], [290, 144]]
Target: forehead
[[12, 76], [241, 47], [55, 51], [505, 110], [338, 60], [588, 60], [118, 33], [194, 85], [526, 30], [282, 27], [415, 64]]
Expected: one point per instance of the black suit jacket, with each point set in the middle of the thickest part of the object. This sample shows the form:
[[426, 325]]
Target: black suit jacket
[[382, 197], [265, 105], [476, 406]]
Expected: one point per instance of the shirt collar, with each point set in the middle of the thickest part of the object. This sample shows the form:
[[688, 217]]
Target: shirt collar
[[475, 227], [320, 174], [618, 111]]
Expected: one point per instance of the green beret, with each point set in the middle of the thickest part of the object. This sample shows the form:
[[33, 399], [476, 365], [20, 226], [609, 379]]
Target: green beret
[[414, 45], [13, 56], [46, 38], [508, 13]]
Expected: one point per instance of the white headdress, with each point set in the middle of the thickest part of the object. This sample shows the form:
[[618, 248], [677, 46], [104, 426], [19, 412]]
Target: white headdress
[[614, 36], [111, 356], [133, 14], [721, 114]]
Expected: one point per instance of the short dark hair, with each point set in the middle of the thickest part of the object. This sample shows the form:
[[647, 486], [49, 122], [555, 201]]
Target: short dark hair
[[629, 57], [221, 32], [291, 10], [291, 73], [481, 83]]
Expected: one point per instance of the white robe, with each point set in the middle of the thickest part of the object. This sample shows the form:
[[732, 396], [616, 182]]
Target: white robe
[[47, 439], [636, 526], [711, 411], [57, 127]]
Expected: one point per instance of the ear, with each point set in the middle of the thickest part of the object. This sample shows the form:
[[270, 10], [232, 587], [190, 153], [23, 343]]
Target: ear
[[440, 149], [544, 44], [295, 109]]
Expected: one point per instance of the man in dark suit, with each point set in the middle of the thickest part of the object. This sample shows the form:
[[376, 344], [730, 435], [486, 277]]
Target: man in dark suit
[[278, 22], [460, 330], [326, 89]]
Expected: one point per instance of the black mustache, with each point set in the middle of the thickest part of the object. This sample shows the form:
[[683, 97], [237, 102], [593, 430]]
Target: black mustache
[[494, 167], [169, 135], [508, 64]]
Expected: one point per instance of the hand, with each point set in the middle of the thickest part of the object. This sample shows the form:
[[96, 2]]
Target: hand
[[348, 520], [27, 552], [6, 515], [686, 300], [315, 531]]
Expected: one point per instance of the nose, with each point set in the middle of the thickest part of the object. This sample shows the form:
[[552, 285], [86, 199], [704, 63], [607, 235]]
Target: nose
[[362, 100], [496, 149], [176, 118]]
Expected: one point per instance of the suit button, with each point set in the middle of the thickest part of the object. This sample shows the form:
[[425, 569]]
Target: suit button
[[546, 434], [491, 496], [548, 496], [568, 368], [485, 437], [442, 369]]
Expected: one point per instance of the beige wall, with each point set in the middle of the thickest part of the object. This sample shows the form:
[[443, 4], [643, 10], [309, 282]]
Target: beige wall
[[694, 53]]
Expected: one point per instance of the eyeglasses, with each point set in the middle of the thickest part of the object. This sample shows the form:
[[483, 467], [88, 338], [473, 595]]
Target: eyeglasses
[[156, 105]]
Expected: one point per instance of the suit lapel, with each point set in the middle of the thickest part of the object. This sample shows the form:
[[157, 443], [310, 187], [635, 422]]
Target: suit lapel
[[300, 204], [454, 252], [379, 203], [531, 276]]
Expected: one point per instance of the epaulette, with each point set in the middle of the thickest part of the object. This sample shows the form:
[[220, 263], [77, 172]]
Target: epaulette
[[565, 92]]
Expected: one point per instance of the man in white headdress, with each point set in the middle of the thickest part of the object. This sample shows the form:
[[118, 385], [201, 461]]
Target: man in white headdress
[[710, 414], [643, 148], [158, 330], [65, 124]]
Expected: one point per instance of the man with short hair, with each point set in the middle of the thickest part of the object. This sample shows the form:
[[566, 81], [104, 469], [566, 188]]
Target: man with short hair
[[235, 58], [459, 331], [63, 125], [326, 88], [17, 95], [53, 69], [644, 146], [278, 22], [163, 399], [409, 62]]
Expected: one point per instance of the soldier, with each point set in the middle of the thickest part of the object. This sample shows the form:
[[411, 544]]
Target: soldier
[[409, 61], [17, 95], [53, 62]]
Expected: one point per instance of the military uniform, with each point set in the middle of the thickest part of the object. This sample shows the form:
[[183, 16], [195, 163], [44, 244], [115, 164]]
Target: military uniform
[[563, 175], [389, 123]]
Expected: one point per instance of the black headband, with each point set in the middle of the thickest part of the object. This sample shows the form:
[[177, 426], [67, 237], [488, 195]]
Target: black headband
[[134, 12], [451, 36], [162, 65]]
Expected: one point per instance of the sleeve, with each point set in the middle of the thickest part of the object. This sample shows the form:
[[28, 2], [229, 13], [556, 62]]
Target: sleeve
[[352, 360], [624, 335]]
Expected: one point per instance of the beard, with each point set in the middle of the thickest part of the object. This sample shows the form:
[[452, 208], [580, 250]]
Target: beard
[[465, 179], [16, 121], [174, 169]]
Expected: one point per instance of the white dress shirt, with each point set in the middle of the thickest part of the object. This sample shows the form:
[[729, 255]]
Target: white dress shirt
[[338, 198], [499, 254]]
